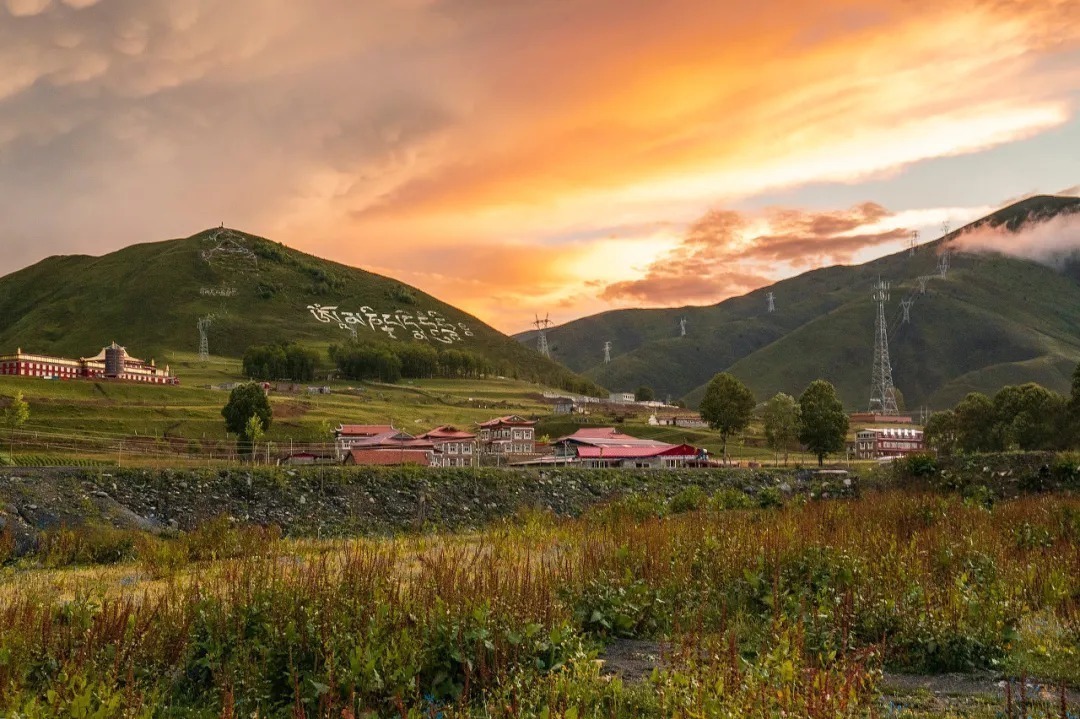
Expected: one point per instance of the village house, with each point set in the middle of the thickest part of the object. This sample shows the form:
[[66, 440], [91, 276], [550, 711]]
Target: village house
[[112, 363], [506, 436], [880, 443], [453, 447], [363, 443], [607, 447]]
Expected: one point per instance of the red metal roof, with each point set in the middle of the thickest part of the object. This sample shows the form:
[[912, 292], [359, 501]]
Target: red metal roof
[[365, 430], [608, 437], [447, 432], [512, 420], [667, 450], [390, 457]]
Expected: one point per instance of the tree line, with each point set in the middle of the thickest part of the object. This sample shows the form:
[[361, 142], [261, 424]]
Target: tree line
[[282, 361], [816, 420], [290, 361], [1026, 417]]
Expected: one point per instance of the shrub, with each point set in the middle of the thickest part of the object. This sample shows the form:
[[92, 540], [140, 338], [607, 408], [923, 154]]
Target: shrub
[[730, 498], [921, 464], [770, 497], [690, 499]]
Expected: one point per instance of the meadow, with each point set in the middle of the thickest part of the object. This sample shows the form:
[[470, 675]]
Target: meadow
[[803, 610]]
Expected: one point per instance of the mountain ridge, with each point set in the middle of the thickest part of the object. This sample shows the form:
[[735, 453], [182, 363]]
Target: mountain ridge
[[150, 296], [834, 302]]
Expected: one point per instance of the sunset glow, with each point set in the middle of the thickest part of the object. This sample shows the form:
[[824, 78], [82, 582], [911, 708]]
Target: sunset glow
[[521, 158]]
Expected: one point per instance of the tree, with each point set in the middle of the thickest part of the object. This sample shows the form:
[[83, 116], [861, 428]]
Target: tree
[[644, 394], [1029, 417], [245, 401], [727, 406], [941, 431], [974, 416], [16, 415], [781, 423], [253, 434], [823, 424]]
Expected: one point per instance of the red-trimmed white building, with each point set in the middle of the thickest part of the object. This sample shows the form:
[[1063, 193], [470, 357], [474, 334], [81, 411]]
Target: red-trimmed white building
[[607, 447], [507, 436], [112, 363], [453, 447], [880, 443]]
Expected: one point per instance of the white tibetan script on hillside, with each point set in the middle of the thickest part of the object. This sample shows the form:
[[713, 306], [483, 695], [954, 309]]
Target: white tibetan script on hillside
[[420, 325]]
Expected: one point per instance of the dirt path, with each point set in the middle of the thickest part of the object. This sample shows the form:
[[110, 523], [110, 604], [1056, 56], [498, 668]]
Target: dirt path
[[634, 660]]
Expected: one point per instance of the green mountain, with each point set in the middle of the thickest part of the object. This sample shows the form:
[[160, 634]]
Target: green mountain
[[150, 297], [993, 320]]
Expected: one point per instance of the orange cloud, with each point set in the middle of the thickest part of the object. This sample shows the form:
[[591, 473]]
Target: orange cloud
[[728, 253], [507, 156]]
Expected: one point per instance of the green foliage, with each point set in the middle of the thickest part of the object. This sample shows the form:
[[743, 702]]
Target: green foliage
[[367, 363], [690, 499], [727, 406], [940, 432], [730, 498], [823, 424], [644, 393], [920, 464], [284, 361], [770, 497], [781, 421], [975, 417], [247, 401], [1029, 417], [16, 414]]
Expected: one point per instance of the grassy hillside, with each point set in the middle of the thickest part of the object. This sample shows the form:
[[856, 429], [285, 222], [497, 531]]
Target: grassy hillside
[[149, 298], [994, 320]]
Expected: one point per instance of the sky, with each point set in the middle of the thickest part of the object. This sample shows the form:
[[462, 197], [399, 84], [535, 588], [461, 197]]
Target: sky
[[559, 157]]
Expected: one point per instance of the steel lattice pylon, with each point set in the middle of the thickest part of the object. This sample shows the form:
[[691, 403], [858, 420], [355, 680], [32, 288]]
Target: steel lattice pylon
[[882, 392]]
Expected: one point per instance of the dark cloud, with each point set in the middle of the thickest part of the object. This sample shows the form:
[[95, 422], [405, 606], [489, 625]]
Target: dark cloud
[[701, 267]]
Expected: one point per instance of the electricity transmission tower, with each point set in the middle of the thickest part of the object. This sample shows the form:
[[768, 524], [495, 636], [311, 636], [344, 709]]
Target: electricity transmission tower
[[607, 353], [914, 241], [204, 341], [882, 392], [946, 227], [542, 326], [905, 305], [682, 326], [770, 299], [922, 283], [943, 264]]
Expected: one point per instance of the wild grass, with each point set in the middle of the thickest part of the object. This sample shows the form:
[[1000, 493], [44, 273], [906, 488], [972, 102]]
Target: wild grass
[[782, 611]]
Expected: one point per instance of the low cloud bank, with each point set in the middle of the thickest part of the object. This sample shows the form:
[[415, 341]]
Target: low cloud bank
[[1050, 242]]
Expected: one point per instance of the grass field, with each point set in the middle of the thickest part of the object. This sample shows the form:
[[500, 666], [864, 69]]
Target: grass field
[[695, 607]]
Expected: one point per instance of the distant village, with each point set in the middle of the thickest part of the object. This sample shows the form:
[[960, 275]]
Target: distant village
[[502, 441]]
